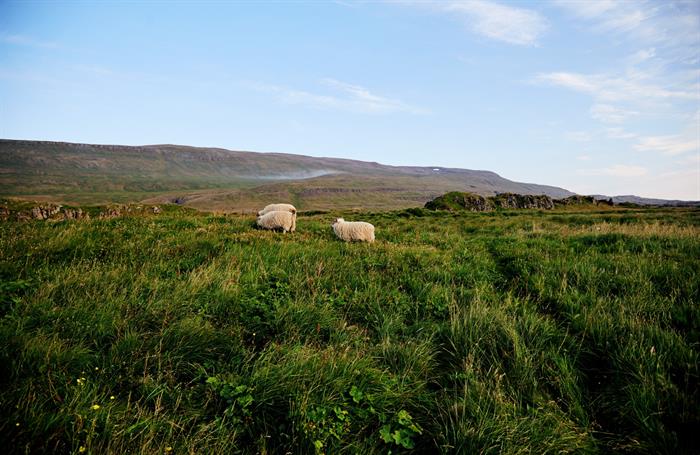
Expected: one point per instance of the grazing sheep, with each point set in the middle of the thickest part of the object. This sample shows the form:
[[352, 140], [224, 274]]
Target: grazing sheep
[[353, 230], [278, 208], [281, 208], [278, 220]]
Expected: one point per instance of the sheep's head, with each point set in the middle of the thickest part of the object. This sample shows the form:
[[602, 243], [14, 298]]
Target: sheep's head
[[336, 221]]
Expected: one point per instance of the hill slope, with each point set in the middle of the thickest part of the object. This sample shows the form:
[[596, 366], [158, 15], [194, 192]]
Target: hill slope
[[213, 178]]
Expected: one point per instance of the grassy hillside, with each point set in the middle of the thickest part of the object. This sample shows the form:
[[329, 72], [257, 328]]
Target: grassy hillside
[[218, 179], [502, 332]]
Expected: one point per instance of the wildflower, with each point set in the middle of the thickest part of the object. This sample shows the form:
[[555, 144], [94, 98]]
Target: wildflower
[[112, 397], [97, 368], [168, 449], [17, 424], [81, 449], [95, 407]]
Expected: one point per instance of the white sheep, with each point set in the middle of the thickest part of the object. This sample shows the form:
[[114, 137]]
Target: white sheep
[[278, 208], [281, 208], [353, 230], [278, 220]]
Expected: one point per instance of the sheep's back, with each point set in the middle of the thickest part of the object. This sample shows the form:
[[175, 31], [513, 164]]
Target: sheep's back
[[354, 230], [277, 219], [278, 208]]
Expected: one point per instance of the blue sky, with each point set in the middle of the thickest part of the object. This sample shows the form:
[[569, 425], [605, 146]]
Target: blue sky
[[597, 97]]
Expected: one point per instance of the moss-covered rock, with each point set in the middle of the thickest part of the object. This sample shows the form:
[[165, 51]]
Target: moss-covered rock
[[456, 201], [523, 201], [583, 200]]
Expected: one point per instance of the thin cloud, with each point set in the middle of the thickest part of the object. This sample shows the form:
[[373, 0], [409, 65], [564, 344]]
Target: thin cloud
[[671, 27], [496, 21], [619, 133], [641, 56], [617, 88], [500, 22], [614, 16], [659, 80], [617, 170], [607, 113], [344, 97], [667, 145]]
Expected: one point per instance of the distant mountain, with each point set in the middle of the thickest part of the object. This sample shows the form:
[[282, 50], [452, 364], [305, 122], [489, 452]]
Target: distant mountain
[[630, 199], [214, 178], [220, 179]]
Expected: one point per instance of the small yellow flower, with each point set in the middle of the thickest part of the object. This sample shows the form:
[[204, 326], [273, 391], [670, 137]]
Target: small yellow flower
[[81, 449], [17, 424], [168, 449], [112, 397], [97, 368], [95, 407]]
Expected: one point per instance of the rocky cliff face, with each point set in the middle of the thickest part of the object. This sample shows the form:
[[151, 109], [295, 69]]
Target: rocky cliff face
[[583, 200], [457, 201], [523, 201], [53, 212], [41, 212]]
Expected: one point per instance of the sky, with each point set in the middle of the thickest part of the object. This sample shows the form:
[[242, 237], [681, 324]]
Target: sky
[[598, 97]]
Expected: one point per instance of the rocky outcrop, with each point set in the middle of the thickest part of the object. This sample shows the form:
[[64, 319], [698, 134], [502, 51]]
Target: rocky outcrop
[[115, 211], [583, 200], [111, 212], [457, 201], [51, 212], [74, 214], [44, 212], [523, 201]]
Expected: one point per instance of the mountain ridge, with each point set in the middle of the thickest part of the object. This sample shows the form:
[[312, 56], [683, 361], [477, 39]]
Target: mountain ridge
[[214, 178]]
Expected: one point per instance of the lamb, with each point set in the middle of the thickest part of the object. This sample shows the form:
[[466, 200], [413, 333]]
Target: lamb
[[281, 208], [353, 230], [278, 220]]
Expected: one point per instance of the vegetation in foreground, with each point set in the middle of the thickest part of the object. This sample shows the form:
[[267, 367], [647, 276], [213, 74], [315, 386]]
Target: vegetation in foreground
[[501, 332]]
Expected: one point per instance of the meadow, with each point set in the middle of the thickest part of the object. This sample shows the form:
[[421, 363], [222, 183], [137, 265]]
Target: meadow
[[506, 332]]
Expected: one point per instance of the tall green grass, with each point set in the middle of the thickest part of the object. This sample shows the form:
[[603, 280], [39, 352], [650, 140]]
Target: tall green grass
[[508, 332]]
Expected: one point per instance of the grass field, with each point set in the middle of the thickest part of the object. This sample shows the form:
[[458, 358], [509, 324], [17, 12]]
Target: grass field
[[504, 332]]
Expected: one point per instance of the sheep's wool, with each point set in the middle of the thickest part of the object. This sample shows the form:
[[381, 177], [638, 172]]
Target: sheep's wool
[[281, 208], [353, 231], [278, 220]]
